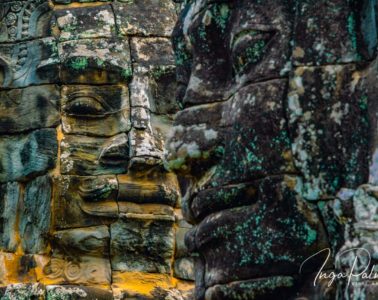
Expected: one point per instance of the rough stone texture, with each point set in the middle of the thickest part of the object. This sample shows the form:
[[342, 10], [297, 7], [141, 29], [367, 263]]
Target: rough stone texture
[[29, 63], [84, 201], [276, 142], [9, 197], [85, 22], [27, 155], [95, 110], [100, 61], [32, 16], [27, 104], [329, 32], [139, 17], [85, 155], [329, 123], [35, 215], [86, 101], [142, 245]]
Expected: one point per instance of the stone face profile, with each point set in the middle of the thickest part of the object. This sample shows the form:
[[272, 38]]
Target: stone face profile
[[87, 209], [276, 144]]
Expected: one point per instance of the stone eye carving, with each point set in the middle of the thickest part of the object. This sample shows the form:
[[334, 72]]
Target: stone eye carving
[[85, 105], [248, 48]]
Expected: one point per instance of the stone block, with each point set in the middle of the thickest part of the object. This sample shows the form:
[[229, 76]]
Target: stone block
[[83, 201], [23, 20], [141, 245], [35, 215], [145, 17], [10, 194], [86, 156], [95, 110], [85, 22], [75, 292], [156, 188], [29, 63], [95, 61], [89, 241], [92, 271], [27, 155], [35, 107], [184, 268], [151, 51]]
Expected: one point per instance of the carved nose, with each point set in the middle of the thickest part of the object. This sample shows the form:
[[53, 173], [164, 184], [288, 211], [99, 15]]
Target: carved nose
[[115, 151]]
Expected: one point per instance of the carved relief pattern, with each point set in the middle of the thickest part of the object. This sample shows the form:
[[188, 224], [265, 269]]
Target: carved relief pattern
[[87, 205]]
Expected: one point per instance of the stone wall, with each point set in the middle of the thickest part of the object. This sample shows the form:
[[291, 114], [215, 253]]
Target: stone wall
[[87, 97]]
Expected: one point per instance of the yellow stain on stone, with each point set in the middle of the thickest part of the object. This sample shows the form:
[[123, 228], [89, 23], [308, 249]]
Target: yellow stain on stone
[[77, 4], [142, 283], [60, 136], [15, 269]]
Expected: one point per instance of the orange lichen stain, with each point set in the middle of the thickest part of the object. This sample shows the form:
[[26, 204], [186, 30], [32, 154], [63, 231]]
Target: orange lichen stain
[[141, 283], [76, 4], [59, 136], [16, 268]]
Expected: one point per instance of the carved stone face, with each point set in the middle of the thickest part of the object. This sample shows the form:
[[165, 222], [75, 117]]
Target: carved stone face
[[264, 138], [87, 99]]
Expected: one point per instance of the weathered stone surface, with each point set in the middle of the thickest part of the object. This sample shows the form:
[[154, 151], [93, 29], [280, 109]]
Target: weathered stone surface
[[145, 17], [95, 110], [154, 89], [157, 212], [35, 108], [84, 155], [260, 46], [81, 201], [92, 241], [16, 268], [329, 125], [333, 32], [145, 143], [75, 292], [24, 291], [181, 249], [22, 20], [85, 22], [151, 51], [261, 289], [29, 63], [141, 246], [129, 285], [9, 196], [158, 188], [100, 61], [24, 156], [88, 270], [195, 142], [184, 268], [35, 215], [272, 236]]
